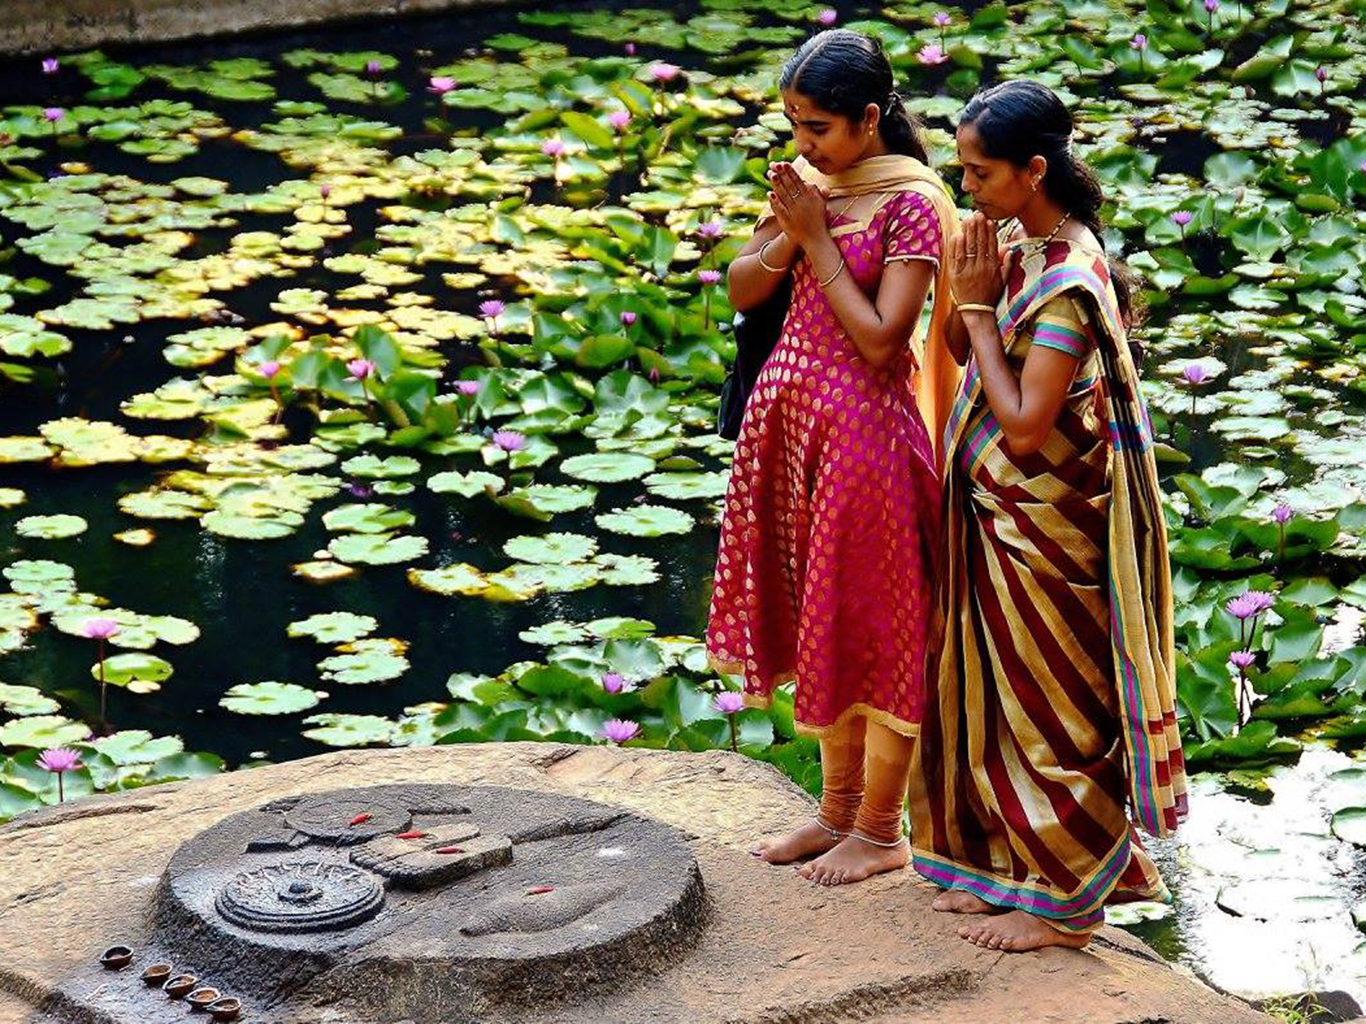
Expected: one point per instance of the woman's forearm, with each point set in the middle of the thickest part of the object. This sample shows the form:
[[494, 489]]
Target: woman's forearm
[[956, 336], [877, 340], [999, 382], [750, 283]]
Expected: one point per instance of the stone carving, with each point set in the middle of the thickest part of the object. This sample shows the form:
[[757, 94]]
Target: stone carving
[[437, 857], [300, 897], [477, 892], [539, 909]]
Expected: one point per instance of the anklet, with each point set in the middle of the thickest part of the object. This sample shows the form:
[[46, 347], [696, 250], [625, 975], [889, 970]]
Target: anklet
[[833, 833], [878, 842]]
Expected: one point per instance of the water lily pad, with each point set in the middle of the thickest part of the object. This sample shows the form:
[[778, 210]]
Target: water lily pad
[[367, 518], [269, 698], [349, 730], [22, 701], [378, 548], [1349, 824], [556, 548], [334, 627], [137, 746], [373, 467], [42, 731], [552, 633], [375, 661], [687, 486], [54, 527], [11, 497], [137, 672], [466, 485], [606, 468], [627, 570], [646, 521], [322, 571]]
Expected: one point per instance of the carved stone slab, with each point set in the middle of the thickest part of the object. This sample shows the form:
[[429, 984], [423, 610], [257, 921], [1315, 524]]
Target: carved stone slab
[[300, 897], [437, 857]]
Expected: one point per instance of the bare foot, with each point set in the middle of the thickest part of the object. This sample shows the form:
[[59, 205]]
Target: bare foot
[[801, 842], [853, 860], [1018, 932], [956, 901]]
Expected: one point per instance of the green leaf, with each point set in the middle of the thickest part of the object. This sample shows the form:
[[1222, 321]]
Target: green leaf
[[268, 698], [590, 130]]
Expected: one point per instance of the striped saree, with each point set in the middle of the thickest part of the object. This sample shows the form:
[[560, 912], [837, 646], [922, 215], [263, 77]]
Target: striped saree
[[1050, 712]]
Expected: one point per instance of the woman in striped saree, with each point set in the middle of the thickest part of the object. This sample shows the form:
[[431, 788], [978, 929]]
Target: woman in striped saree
[[1050, 709]]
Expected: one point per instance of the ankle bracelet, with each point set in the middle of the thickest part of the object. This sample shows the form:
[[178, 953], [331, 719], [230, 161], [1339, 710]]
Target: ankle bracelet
[[832, 832], [877, 842]]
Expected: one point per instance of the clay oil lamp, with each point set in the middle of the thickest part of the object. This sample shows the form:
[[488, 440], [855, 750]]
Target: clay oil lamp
[[156, 974], [115, 958], [200, 998], [226, 1008], [179, 985]]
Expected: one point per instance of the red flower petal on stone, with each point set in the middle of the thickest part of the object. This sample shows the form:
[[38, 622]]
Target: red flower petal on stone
[[359, 819], [413, 834], [539, 889], [449, 849]]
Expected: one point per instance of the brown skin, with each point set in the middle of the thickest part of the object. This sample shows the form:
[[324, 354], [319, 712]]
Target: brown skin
[[1026, 406], [878, 327]]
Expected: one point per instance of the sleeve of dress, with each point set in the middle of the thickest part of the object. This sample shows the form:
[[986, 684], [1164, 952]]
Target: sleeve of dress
[[1065, 325], [911, 231]]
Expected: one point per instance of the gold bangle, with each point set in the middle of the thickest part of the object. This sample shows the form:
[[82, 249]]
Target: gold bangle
[[838, 270], [771, 270], [976, 307]]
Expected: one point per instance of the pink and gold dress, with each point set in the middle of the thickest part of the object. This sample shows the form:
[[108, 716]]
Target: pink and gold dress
[[832, 512]]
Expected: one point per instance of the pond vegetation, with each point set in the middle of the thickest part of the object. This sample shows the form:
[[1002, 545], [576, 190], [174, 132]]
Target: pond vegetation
[[357, 388]]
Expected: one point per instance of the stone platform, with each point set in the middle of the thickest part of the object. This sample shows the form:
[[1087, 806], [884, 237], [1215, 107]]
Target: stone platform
[[761, 946]]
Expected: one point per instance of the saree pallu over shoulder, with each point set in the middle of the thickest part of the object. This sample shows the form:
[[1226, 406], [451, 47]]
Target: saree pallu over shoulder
[[1138, 571], [1049, 734]]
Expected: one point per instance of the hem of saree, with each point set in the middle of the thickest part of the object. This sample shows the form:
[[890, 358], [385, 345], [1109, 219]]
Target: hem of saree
[[1032, 899]]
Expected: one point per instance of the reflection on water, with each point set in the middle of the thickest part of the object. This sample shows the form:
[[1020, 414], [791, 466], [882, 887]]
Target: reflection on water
[[1267, 894]]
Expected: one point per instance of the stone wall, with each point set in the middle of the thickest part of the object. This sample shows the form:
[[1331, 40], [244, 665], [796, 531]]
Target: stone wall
[[53, 26]]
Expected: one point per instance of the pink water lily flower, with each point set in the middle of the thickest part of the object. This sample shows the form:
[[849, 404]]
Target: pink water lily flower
[[60, 759], [269, 368], [1194, 373], [709, 277], [51, 65], [509, 440], [492, 309], [1249, 604], [729, 702], [440, 85], [360, 368], [931, 54], [664, 72], [1282, 514], [654, 375], [324, 190], [711, 229], [613, 682], [942, 19], [627, 318], [373, 67], [1139, 42], [1182, 217], [619, 730], [467, 387], [619, 119], [53, 114], [552, 147], [828, 17], [100, 629], [630, 49], [1242, 659]]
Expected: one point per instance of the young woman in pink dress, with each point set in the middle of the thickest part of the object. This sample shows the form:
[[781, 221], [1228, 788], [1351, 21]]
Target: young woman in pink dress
[[832, 516]]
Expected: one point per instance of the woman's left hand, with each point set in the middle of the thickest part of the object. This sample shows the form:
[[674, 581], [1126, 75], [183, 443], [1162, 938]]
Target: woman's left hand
[[798, 205], [975, 262]]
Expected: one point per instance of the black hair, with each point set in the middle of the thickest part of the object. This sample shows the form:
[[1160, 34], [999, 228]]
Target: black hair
[[842, 72], [1019, 120]]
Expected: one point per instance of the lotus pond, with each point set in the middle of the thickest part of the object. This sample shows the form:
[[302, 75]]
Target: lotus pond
[[356, 388]]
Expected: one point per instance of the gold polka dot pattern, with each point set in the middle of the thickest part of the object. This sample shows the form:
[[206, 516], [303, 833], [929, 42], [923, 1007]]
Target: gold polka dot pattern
[[832, 513]]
